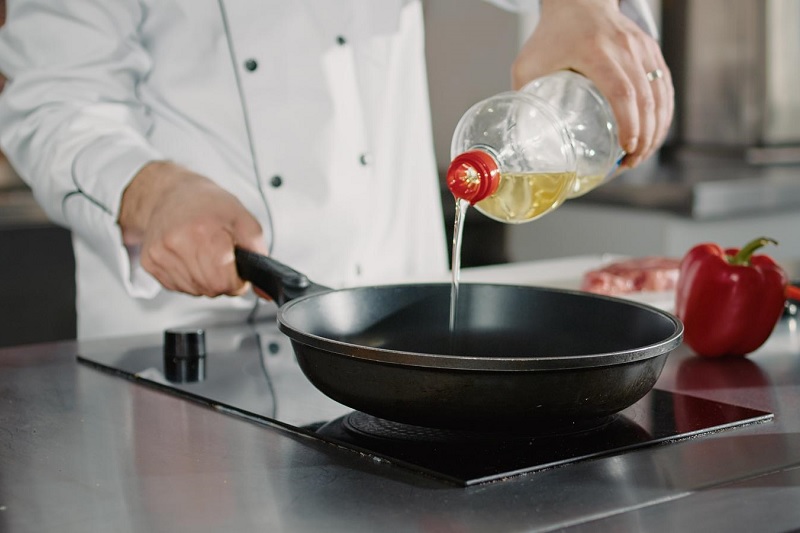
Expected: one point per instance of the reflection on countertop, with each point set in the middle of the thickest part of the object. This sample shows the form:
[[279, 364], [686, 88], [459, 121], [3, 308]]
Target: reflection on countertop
[[704, 188]]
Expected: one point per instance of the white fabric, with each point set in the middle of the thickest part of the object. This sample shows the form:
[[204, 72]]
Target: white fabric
[[98, 88], [638, 11]]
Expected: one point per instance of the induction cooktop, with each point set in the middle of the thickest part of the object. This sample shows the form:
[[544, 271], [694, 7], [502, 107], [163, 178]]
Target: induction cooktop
[[249, 371]]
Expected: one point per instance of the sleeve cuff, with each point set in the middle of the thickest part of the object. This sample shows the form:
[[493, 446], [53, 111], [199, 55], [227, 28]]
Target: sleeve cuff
[[99, 230], [101, 172]]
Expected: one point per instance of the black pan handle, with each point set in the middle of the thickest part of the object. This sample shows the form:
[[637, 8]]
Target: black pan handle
[[279, 281]]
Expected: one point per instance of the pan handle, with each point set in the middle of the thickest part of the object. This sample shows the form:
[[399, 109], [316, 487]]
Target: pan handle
[[279, 281]]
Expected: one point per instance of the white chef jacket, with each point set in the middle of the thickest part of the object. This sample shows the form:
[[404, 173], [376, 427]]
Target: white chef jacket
[[313, 113]]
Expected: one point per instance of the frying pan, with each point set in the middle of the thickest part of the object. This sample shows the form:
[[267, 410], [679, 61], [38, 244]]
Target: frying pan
[[520, 357]]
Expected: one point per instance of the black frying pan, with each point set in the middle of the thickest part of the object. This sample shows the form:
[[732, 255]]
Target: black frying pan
[[520, 356]]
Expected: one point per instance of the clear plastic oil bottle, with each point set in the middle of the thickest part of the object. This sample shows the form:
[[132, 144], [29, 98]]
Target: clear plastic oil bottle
[[518, 155]]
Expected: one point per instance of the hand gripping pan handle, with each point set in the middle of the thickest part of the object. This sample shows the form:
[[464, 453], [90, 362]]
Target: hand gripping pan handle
[[279, 281]]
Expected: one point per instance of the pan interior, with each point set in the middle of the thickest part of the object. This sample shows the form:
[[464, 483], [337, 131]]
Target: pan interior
[[493, 321]]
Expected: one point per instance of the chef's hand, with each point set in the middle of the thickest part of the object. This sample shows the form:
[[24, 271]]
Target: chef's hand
[[187, 227], [594, 38]]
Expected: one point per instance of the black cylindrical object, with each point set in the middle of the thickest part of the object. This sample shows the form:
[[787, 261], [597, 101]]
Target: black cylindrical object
[[185, 355]]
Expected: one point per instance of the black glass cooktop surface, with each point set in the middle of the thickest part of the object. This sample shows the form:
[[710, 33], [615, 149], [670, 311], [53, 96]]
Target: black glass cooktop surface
[[250, 371]]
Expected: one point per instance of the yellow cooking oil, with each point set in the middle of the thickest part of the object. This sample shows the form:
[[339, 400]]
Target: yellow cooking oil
[[522, 197], [584, 184]]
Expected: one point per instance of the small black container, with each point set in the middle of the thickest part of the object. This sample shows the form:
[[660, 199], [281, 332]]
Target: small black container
[[185, 355]]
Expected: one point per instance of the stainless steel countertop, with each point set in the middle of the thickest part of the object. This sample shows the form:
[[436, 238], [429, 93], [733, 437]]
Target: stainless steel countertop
[[82, 450]]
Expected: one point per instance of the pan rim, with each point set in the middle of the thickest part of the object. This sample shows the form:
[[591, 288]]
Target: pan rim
[[477, 363]]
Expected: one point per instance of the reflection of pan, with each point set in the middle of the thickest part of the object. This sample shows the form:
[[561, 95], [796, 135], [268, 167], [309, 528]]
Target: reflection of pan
[[527, 354]]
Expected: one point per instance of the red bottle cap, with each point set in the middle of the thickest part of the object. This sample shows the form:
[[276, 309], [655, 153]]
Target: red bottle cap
[[473, 176]]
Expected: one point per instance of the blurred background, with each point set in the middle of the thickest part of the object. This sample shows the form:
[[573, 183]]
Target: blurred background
[[729, 172]]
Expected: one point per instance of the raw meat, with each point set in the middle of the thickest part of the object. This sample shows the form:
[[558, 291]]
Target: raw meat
[[653, 273]]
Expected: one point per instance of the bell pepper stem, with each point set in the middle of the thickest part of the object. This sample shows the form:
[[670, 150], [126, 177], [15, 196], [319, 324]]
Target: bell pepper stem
[[744, 255]]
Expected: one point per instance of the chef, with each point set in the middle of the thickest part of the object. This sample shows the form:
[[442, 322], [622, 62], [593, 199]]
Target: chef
[[163, 133]]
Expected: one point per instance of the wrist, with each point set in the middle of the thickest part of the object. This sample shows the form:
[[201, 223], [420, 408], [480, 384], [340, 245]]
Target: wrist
[[546, 5]]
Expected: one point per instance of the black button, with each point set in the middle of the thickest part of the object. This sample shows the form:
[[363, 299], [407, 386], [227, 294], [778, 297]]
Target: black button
[[341, 40], [251, 64], [276, 181], [364, 159]]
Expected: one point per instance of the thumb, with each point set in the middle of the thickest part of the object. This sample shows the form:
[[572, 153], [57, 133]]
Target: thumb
[[530, 65], [247, 233]]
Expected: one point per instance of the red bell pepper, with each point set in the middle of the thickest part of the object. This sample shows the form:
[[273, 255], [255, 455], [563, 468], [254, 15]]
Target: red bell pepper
[[729, 300]]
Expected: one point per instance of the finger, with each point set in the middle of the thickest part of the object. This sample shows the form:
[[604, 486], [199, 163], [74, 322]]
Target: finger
[[216, 268], [530, 67], [666, 108], [248, 235], [216, 271], [261, 293], [659, 114], [613, 81], [169, 270], [175, 253], [645, 100]]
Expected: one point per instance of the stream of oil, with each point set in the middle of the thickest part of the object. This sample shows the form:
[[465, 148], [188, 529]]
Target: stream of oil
[[520, 197], [458, 234]]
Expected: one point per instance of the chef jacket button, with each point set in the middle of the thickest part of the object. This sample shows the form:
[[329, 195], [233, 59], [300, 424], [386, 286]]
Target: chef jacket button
[[276, 181], [358, 270], [364, 159], [251, 64], [273, 348], [341, 41]]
